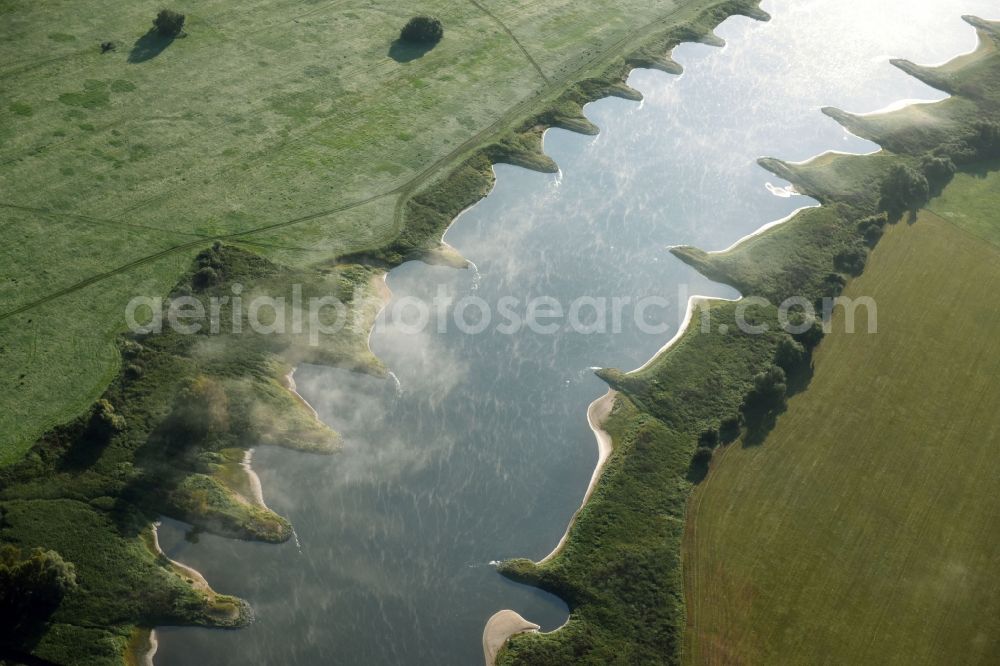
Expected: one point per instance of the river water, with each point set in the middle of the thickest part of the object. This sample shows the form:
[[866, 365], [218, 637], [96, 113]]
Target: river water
[[482, 450]]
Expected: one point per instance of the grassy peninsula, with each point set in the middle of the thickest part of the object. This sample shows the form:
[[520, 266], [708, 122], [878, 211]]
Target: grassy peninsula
[[265, 146], [714, 402]]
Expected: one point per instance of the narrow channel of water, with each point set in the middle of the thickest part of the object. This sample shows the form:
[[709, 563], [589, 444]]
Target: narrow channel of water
[[482, 451]]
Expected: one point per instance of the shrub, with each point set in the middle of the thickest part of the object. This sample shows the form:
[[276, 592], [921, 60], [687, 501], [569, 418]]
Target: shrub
[[169, 23], [422, 30]]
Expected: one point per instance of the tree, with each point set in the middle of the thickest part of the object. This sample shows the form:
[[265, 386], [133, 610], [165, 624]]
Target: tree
[[871, 228], [938, 171], [702, 456], [169, 23], [904, 189], [987, 139], [769, 392], [105, 421], [31, 587], [709, 438], [789, 354], [810, 337], [204, 278], [729, 428], [833, 284], [200, 411], [851, 261], [422, 30]]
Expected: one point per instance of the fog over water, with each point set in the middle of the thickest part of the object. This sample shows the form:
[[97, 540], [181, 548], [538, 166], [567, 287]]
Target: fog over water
[[482, 451]]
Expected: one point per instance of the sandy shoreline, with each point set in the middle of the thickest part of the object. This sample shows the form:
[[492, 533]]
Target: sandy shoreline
[[290, 385], [763, 229], [381, 286], [153, 646], [197, 580], [501, 626], [256, 490], [596, 413], [898, 105]]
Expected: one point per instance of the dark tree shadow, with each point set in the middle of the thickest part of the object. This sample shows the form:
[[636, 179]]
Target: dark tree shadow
[[759, 423], [697, 471], [800, 376], [401, 51], [21, 654], [981, 169], [84, 452], [149, 46]]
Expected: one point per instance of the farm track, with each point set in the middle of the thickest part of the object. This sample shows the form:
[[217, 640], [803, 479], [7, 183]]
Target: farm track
[[513, 37]]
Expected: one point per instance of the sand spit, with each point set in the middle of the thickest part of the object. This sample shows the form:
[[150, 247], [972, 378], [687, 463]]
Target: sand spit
[[256, 491], [499, 628]]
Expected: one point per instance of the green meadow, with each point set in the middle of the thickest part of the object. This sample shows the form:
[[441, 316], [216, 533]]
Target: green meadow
[[970, 203], [292, 128]]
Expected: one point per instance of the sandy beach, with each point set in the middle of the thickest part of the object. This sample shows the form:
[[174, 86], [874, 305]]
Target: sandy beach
[[381, 286], [197, 580], [596, 413], [763, 229], [499, 628], [256, 491], [142, 647]]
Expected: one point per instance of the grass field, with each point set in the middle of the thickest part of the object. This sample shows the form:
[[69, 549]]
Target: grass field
[[970, 203], [862, 531], [288, 125]]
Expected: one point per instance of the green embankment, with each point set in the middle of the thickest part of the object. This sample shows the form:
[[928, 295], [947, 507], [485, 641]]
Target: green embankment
[[863, 530], [274, 144], [620, 570]]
